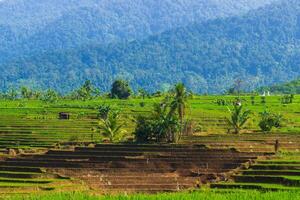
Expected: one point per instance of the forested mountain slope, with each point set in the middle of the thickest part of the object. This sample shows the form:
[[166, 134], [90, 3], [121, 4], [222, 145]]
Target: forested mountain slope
[[261, 48], [28, 27]]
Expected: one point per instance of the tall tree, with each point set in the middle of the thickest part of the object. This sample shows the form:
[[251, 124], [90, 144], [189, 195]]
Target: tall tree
[[179, 103], [121, 89]]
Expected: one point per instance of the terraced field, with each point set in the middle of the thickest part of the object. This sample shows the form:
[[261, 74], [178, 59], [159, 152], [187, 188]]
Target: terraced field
[[20, 179], [271, 174], [249, 142], [130, 168], [28, 123], [39, 152]]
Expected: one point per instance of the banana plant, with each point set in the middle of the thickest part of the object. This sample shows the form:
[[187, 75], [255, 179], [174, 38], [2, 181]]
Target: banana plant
[[238, 118], [110, 127]]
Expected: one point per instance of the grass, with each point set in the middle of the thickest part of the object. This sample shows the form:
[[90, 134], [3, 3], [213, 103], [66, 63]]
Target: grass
[[197, 195]]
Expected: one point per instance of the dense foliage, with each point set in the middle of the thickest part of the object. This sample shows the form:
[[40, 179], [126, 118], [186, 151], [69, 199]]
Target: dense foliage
[[260, 47], [120, 89], [292, 87], [269, 121], [31, 26]]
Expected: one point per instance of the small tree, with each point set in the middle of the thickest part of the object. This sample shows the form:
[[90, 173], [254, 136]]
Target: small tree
[[253, 100], [269, 120], [160, 126], [110, 126], [287, 99], [238, 118], [144, 130], [50, 96], [142, 93], [85, 91], [12, 94], [263, 100], [26, 93], [103, 111], [121, 89]]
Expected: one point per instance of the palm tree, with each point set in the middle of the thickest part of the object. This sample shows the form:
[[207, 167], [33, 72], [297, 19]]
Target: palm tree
[[110, 127], [179, 103], [238, 118]]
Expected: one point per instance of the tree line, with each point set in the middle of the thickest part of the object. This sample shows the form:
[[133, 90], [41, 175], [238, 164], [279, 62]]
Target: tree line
[[120, 89]]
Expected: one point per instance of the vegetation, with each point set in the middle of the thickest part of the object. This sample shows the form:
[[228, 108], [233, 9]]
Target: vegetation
[[260, 47], [238, 118], [53, 27], [161, 126], [287, 99], [36, 125], [111, 127], [104, 111], [292, 87], [269, 121], [120, 89], [205, 195], [179, 104], [167, 121]]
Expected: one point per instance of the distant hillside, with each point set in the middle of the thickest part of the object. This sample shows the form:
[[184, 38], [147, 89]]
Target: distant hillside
[[29, 27], [261, 48], [292, 87]]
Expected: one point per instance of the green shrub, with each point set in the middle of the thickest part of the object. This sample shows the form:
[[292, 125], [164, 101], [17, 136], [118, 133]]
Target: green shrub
[[221, 102], [269, 120], [142, 104], [252, 100], [74, 138], [144, 129], [103, 111], [161, 126], [263, 99], [287, 99]]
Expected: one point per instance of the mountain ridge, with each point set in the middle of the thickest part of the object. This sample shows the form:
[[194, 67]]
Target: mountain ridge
[[259, 47]]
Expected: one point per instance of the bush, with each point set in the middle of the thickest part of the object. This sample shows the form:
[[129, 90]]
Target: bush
[[221, 102], [253, 100], [287, 99], [263, 100], [142, 104], [160, 126], [103, 111], [144, 129], [269, 121]]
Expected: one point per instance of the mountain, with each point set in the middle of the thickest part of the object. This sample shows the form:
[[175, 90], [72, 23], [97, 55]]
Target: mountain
[[29, 27], [260, 47], [292, 87]]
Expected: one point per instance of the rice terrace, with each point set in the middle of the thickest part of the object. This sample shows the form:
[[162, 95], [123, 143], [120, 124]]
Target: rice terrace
[[174, 143], [150, 99]]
